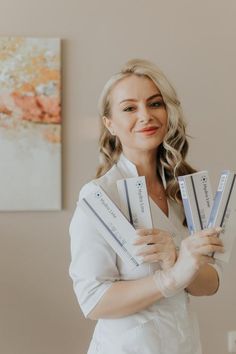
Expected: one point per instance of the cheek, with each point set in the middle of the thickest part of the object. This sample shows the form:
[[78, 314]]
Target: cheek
[[124, 126], [121, 127], [164, 120]]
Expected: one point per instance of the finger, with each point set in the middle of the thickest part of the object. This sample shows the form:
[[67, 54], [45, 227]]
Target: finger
[[146, 232], [164, 237], [209, 240], [149, 249], [151, 258], [160, 238], [204, 250], [149, 239], [143, 240], [210, 232]]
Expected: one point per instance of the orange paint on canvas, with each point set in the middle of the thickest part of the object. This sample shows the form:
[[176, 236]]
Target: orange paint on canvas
[[41, 109], [30, 94]]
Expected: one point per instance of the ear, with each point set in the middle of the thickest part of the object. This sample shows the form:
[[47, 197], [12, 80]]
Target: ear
[[108, 124]]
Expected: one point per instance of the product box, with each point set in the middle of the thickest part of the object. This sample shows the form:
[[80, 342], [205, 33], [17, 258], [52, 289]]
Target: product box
[[197, 199], [134, 201], [112, 225], [223, 212]]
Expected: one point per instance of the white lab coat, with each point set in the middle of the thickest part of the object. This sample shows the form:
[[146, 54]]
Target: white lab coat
[[166, 327]]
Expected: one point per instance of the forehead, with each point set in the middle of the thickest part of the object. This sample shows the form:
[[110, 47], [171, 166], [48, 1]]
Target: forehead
[[133, 87]]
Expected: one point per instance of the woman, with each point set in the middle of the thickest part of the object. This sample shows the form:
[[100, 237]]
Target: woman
[[143, 310]]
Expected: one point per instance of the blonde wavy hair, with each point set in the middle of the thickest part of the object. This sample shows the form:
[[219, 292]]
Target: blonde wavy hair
[[172, 151]]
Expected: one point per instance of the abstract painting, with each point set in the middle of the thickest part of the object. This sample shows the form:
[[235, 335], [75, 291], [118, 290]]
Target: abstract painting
[[30, 124]]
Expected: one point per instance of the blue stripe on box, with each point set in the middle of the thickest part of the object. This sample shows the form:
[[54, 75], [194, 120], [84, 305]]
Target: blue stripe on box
[[217, 200], [227, 203]]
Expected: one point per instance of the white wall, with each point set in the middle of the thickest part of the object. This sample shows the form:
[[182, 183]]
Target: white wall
[[193, 42]]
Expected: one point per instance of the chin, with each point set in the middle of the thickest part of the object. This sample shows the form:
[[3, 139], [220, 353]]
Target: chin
[[150, 145]]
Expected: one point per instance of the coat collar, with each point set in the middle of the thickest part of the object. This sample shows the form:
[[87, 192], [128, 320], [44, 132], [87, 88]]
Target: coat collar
[[172, 223], [128, 169]]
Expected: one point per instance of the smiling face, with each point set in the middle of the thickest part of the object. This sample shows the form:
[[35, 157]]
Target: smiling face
[[138, 115]]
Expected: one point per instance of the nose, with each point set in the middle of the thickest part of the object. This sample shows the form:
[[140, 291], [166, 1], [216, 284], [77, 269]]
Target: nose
[[144, 115]]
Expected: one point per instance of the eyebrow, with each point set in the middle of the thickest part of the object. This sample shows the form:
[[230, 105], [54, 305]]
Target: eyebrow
[[148, 99]]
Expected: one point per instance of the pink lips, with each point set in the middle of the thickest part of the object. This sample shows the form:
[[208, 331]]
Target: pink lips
[[148, 130]]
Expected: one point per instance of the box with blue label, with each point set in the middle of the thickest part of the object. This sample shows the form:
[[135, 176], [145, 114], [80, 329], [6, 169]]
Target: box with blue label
[[223, 212], [197, 199]]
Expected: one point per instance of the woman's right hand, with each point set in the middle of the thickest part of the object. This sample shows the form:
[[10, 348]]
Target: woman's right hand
[[194, 253]]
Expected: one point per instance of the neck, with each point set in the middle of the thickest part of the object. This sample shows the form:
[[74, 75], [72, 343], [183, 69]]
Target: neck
[[146, 164]]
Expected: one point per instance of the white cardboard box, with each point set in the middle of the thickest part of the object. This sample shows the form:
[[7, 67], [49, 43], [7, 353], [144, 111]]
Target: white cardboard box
[[197, 199], [223, 212], [112, 225], [134, 201]]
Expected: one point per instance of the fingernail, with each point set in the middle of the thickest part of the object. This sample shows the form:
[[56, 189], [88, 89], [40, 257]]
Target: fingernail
[[218, 229]]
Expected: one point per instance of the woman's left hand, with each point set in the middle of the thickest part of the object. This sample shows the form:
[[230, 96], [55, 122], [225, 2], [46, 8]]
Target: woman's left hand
[[158, 247]]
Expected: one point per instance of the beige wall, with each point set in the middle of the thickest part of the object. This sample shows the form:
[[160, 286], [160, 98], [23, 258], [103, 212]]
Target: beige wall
[[193, 42]]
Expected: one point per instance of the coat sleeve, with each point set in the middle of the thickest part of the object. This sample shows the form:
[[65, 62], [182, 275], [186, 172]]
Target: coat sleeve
[[93, 262]]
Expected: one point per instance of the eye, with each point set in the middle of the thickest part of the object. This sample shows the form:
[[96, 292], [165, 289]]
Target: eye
[[157, 104], [129, 109]]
